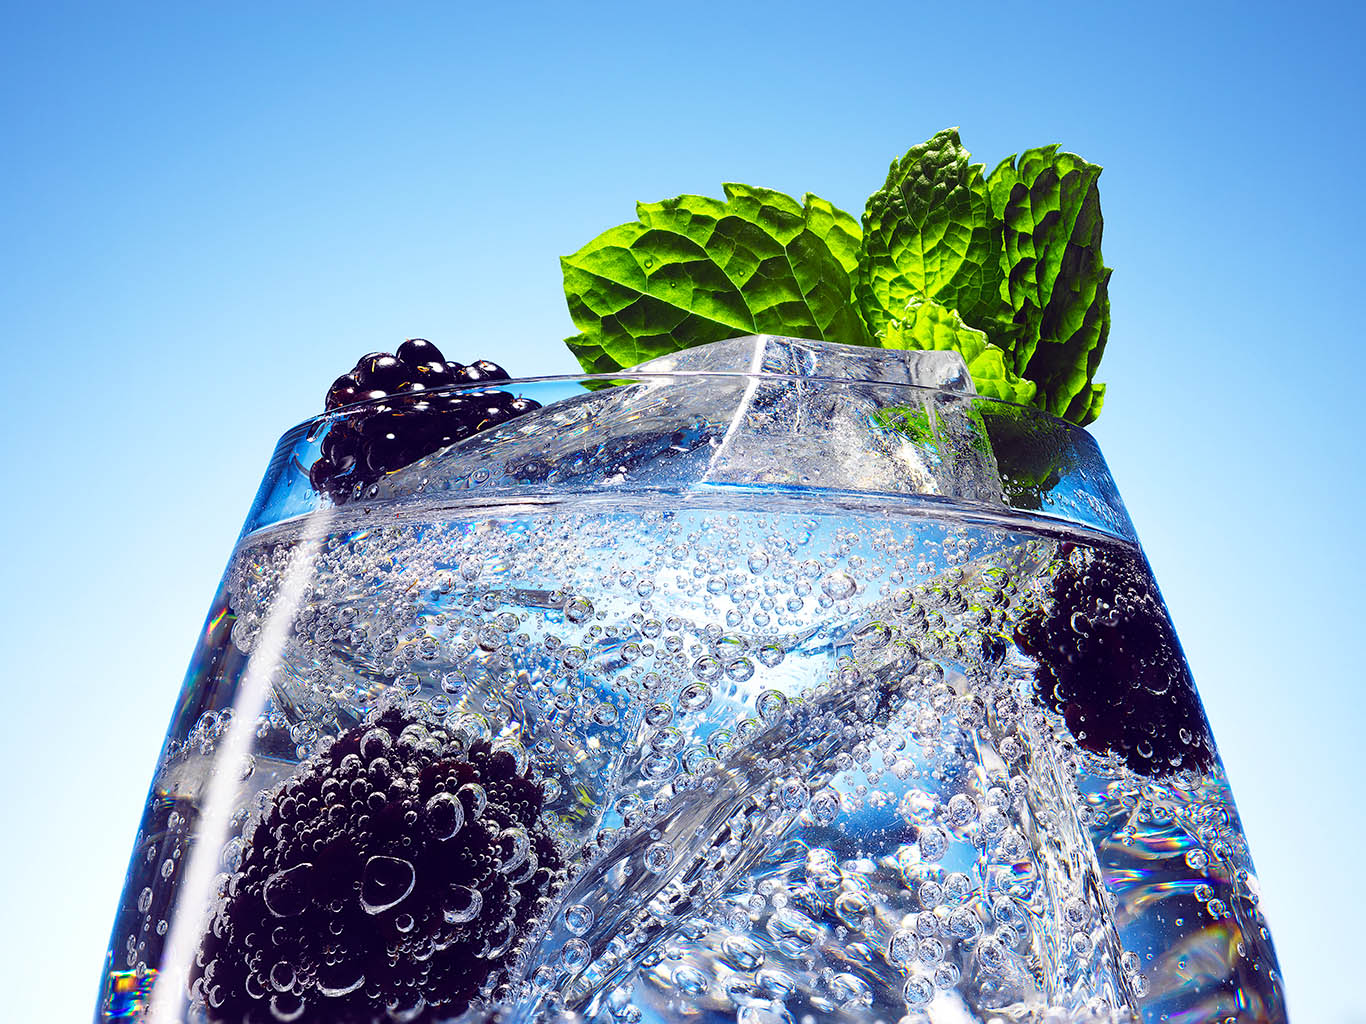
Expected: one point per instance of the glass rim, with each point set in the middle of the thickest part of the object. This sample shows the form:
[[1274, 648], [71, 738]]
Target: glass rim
[[626, 377], [1047, 465]]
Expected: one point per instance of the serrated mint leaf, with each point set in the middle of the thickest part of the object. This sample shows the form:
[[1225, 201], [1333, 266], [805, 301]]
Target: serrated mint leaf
[[839, 230], [693, 270], [1005, 269], [1055, 280], [925, 325], [590, 355], [929, 232]]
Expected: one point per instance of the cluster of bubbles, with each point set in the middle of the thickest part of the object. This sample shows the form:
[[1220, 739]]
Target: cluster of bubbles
[[158, 858], [805, 750]]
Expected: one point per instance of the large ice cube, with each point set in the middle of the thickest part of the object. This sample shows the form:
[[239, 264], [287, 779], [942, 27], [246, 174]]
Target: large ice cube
[[792, 426], [759, 410], [797, 357]]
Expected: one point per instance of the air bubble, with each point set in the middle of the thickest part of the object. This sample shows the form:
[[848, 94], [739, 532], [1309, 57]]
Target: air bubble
[[658, 856], [741, 669], [930, 950], [1076, 913], [575, 954], [839, 586], [696, 696], [707, 668], [871, 637], [385, 883], [605, 714], [794, 794], [901, 948], [281, 976], [578, 609], [286, 893], [741, 953], [770, 655], [578, 918], [770, 705], [824, 807], [375, 743], [775, 983], [690, 981], [961, 811], [991, 956], [658, 715], [444, 816], [849, 990], [515, 845], [963, 924], [919, 990], [958, 888], [933, 842], [462, 904], [473, 796], [946, 975], [931, 894]]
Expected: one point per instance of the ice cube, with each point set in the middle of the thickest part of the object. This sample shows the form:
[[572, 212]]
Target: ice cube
[[823, 414], [761, 410], [797, 357]]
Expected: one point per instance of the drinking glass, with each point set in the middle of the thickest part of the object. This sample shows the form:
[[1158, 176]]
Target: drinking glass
[[772, 681]]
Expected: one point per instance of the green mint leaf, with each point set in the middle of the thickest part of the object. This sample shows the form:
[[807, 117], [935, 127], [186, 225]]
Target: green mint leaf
[[693, 270], [1055, 280], [590, 355], [1006, 269], [925, 325], [929, 232]]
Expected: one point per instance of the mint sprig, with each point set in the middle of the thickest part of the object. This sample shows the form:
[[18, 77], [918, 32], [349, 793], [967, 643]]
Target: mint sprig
[[1005, 269], [693, 270]]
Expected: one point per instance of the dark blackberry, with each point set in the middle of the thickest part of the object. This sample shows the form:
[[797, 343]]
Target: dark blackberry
[[380, 371], [396, 873], [1109, 662], [344, 391], [481, 370], [420, 352], [404, 423]]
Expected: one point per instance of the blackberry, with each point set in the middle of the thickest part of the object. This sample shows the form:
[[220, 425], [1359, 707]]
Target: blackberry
[[408, 415], [1110, 664], [391, 879]]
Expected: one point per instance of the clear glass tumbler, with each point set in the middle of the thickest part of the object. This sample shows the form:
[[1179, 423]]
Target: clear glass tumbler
[[775, 682]]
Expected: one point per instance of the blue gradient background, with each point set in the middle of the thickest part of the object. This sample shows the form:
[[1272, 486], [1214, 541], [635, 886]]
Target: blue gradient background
[[208, 211]]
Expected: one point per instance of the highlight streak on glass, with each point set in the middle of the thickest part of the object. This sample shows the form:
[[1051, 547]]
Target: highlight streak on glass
[[198, 891]]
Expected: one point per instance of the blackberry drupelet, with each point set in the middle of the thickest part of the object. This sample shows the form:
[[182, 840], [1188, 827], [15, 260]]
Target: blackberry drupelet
[[409, 416], [1110, 664], [390, 880]]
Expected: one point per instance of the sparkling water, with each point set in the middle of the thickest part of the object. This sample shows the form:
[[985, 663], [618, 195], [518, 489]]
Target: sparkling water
[[796, 762]]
